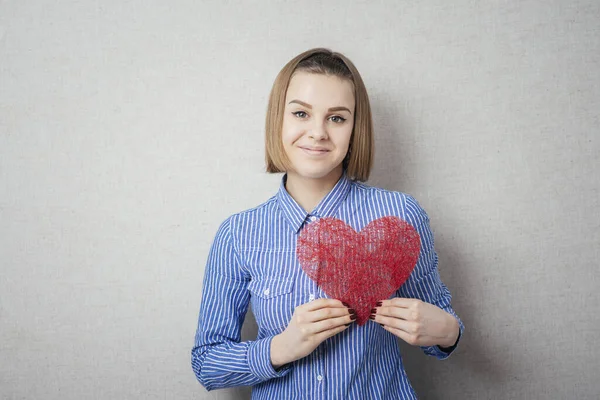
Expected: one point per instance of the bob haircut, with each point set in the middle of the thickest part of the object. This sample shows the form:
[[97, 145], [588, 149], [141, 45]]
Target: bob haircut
[[359, 160]]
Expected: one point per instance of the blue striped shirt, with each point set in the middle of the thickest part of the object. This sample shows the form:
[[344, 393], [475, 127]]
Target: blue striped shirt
[[253, 261]]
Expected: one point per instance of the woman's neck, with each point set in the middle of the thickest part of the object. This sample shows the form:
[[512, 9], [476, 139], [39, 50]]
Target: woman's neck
[[309, 192]]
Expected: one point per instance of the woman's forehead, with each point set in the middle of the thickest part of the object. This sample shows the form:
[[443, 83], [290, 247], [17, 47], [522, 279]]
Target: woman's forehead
[[320, 90]]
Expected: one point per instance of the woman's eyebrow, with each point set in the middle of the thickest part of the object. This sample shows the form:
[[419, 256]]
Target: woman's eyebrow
[[341, 108]]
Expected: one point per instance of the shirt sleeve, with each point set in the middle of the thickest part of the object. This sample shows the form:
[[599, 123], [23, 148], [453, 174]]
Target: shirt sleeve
[[219, 358], [425, 282]]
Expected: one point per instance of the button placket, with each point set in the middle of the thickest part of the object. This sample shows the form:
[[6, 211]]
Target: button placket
[[320, 363]]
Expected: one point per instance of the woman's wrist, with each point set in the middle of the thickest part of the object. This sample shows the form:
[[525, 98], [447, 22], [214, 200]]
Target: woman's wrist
[[453, 334], [277, 353]]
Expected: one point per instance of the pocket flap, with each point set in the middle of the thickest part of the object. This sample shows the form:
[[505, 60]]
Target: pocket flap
[[270, 287]]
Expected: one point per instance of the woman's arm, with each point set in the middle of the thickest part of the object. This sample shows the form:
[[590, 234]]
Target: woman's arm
[[219, 359], [422, 313]]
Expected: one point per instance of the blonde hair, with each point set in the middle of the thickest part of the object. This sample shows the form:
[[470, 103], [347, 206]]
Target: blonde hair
[[359, 160]]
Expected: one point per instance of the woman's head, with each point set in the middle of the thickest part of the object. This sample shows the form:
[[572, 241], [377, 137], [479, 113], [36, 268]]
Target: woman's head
[[319, 118]]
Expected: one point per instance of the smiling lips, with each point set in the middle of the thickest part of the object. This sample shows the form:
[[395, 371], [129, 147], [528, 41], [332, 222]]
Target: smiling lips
[[315, 150]]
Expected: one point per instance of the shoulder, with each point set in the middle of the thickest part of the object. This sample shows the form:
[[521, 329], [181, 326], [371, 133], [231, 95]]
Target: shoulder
[[246, 219], [391, 202]]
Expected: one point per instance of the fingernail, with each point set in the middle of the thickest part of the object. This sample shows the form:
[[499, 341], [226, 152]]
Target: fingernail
[[380, 324], [352, 317], [371, 316], [347, 324], [351, 311], [373, 311], [346, 304], [379, 304]]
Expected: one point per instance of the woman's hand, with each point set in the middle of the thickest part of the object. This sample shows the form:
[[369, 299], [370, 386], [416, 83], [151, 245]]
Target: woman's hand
[[310, 325], [417, 322]]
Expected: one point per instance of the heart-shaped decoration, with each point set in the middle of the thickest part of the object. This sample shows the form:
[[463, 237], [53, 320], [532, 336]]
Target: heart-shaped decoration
[[359, 268]]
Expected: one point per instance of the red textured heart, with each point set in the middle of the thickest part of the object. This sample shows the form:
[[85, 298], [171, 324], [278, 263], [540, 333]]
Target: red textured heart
[[359, 268]]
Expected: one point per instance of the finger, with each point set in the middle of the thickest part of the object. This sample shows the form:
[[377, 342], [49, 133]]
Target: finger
[[400, 302], [400, 324], [407, 337], [327, 313], [322, 303], [331, 323], [321, 337], [394, 312]]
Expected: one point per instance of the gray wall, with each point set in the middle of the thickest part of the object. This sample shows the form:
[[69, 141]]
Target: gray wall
[[130, 130]]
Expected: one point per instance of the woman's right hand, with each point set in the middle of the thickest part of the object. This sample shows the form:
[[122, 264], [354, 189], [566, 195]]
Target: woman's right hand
[[310, 325]]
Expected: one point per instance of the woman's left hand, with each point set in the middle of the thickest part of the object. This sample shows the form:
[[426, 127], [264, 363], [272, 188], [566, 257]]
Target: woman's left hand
[[417, 322]]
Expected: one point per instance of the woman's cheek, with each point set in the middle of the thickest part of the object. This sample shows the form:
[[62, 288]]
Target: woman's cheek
[[291, 134]]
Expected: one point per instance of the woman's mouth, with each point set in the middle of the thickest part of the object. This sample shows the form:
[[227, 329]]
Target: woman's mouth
[[316, 151]]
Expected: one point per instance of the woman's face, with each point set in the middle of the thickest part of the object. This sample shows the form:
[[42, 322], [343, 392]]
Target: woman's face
[[317, 124]]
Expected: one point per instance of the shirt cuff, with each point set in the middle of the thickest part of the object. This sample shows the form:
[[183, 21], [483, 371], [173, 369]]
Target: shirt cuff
[[440, 354], [259, 360]]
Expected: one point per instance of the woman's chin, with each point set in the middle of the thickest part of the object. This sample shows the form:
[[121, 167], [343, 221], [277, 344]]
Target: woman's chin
[[317, 173]]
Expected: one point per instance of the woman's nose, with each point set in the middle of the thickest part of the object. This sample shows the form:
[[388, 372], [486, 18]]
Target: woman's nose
[[318, 132]]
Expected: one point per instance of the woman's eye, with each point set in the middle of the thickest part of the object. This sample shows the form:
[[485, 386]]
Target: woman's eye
[[337, 119], [300, 114]]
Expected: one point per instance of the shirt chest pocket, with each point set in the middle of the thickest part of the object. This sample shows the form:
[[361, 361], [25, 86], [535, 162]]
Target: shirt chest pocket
[[272, 302]]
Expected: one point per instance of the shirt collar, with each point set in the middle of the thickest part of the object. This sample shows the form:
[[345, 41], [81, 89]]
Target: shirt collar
[[327, 207]]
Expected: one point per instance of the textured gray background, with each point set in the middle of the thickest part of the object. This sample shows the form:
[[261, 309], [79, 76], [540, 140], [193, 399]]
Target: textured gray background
[[130, 130]]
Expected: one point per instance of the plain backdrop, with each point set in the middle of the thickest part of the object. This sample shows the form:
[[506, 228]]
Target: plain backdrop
[[129, 130]]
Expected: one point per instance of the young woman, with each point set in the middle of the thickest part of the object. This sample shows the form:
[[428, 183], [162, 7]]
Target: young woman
[[319, 132]]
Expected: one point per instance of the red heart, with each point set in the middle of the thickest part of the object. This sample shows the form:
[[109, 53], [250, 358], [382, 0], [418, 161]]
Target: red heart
[[361, 268]]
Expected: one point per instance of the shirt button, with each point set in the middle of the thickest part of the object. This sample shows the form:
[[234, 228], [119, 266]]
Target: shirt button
[[319, 378], [313, 218], [311, 297], [266, 292]]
